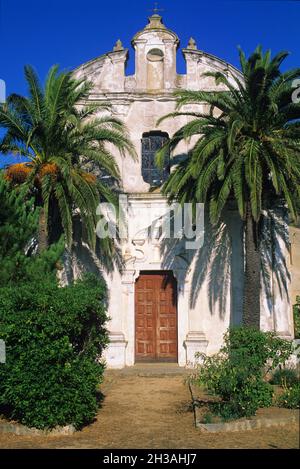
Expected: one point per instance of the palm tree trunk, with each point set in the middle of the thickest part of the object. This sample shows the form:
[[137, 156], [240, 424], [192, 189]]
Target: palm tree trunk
[[251, 300], [42, 231]]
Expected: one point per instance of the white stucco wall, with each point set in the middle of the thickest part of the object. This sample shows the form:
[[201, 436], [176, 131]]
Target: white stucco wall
[[210, 282]]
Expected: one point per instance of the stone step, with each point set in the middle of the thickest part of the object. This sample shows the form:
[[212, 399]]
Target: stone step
[[151, 370]]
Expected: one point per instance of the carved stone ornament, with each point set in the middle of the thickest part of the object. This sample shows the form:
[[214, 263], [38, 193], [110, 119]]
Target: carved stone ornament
[[118, 46], [192, 44]]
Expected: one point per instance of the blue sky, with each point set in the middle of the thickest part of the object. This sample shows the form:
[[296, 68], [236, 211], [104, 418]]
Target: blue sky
[[70, 32]]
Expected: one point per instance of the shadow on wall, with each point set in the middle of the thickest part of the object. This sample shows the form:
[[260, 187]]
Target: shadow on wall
[[214, 263], [274, 246], [106, 258], [220, 261]]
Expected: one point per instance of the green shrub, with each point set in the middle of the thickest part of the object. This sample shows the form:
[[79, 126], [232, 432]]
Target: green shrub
[[296, 311], [236, 373], [18, 232], [285, 377], [207, 418], [290, 398], [259, 351], [53, 337], [245, 400]]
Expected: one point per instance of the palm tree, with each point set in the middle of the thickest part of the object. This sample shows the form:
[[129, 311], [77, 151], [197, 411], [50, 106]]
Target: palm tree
[[65, 141], [248, 149]]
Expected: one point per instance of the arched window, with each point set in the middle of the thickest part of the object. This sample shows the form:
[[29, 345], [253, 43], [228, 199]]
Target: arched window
[[155, 69], [151, 142]]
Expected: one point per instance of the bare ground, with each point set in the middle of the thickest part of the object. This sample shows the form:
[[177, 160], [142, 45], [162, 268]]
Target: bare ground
[[152, 412]]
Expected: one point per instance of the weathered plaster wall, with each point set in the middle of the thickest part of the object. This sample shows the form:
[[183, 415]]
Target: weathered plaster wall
[[210, 281], [295, 263]]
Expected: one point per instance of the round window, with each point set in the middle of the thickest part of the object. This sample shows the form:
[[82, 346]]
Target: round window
[[155, 55]]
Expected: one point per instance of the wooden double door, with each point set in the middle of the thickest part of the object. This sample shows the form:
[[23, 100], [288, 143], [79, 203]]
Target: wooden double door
[[156, 317]]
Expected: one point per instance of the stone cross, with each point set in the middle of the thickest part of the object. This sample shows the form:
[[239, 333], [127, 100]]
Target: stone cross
[[156, 9]]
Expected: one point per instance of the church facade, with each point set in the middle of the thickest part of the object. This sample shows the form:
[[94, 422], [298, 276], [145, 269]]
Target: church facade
[[170, 301]]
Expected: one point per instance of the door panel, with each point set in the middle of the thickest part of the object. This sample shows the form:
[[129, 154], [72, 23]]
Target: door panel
[[156, 317]]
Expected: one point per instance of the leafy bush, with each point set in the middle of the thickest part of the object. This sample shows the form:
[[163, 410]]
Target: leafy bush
[[18, 229], [18, 225], [296, 311], [245, 401], [285, 377], [236, 373], [54, 337], [259, 351], [18, 219], [290, 398]]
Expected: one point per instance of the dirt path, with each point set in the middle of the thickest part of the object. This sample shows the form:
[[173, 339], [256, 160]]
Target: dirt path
[[152, 412]]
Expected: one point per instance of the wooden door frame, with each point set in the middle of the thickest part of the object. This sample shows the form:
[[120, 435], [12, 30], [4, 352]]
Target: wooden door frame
[[175, 292]]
